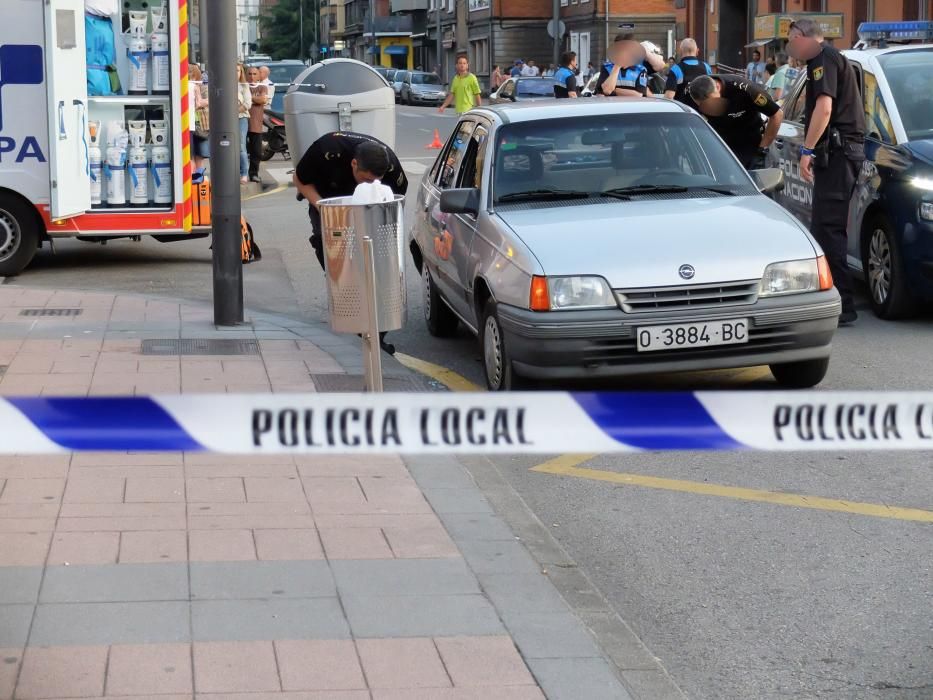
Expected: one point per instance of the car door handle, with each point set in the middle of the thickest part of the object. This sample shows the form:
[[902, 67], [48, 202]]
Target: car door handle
[[779, 143]]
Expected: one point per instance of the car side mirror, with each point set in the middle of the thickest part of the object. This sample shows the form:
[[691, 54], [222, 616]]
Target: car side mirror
[[768, 180], [460, 201]]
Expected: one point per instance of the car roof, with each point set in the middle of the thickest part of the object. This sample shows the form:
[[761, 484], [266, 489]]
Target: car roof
[[875, 51], [542, 109]]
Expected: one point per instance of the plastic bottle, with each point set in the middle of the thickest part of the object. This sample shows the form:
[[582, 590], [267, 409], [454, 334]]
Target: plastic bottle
[[137, 50], [161, 68], [116, 164], [95, 162], [161, 162], [138, 163]]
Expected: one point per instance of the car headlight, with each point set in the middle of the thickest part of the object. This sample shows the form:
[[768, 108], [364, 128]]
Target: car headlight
[[562, 293], [923, 183], [795, 277], [926, 211]]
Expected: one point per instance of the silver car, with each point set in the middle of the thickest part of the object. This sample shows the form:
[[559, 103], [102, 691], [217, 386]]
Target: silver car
[[420, 87], [599, 238]]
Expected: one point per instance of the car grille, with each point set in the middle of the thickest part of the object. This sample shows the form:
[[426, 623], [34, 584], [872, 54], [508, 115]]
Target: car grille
[[680, 298], [622, 350]]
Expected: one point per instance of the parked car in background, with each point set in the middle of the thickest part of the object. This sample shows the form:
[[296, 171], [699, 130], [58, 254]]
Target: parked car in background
[[890, 229], [603, 238], [522, 90], [397, 82], [420, 87], [390, 74], [257, 59], [282, 73]]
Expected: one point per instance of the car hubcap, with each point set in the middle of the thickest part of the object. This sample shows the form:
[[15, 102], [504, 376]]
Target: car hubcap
[[426, 278], [492, 352], [9, 235], [879, 266]]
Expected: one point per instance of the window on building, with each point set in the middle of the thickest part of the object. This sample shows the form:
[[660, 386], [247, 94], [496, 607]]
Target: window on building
[[479, 56]]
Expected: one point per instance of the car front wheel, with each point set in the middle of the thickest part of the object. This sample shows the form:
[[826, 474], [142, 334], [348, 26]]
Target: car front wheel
[[500, 374], [19, 235], [884, 270], [800, 375], [440, 320]]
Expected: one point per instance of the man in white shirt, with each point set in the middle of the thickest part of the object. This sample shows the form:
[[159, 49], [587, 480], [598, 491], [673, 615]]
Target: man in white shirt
[[530, 70], [264, 80]]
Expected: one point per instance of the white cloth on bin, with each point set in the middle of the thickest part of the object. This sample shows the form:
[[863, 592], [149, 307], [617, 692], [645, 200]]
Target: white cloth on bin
[[372, 193], [102, 8]]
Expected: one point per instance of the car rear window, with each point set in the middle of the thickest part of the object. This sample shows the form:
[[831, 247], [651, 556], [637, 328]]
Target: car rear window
[[536, 88], [604, 152]]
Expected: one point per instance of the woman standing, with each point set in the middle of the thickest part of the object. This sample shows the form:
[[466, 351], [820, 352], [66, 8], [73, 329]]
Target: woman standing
[[199, 122], [256, 109], [244, 100]]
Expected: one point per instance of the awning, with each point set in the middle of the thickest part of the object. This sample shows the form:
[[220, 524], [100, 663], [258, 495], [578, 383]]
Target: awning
[[396, 50], [373, 51], [759, 43]]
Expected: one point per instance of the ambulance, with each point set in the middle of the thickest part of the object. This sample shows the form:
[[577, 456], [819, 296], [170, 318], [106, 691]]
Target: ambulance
[[94, 125]]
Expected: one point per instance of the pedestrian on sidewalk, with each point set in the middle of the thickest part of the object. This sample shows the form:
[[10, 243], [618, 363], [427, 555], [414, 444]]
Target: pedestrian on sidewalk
[[257, 108], [465, 91], [332, 167], [199, 120], [244, 101]]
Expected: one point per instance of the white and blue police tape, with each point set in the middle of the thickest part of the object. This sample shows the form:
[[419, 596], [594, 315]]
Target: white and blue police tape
[[470, 423]]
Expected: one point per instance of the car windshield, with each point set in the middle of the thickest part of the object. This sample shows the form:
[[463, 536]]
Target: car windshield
[[536, 88], [425, 79], [910, 75], [285, 73], [628, 154]]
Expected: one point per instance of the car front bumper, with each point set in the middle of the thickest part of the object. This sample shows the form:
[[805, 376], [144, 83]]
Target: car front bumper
[[583, 344], [425, 99]]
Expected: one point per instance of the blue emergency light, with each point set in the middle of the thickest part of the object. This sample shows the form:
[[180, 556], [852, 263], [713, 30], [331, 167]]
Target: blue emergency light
[[896, 31]]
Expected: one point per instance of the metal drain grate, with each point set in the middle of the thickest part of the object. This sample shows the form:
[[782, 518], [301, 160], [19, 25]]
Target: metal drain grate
[[352, 383], [199, 346], [50, 312]]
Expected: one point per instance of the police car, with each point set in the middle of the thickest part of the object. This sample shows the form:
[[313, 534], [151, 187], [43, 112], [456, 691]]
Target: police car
[[891, 212]]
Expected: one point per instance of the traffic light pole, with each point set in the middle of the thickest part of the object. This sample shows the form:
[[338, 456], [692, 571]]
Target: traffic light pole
[[225, 169]]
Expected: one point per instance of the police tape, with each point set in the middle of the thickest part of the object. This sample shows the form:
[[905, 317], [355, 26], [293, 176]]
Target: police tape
[[469, 423]]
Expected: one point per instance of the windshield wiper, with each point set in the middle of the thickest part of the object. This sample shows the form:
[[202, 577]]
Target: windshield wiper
[[543, 194], [644, 189]]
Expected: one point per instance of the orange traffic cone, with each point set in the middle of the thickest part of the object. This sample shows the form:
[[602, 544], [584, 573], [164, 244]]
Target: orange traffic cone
[[436, 143]]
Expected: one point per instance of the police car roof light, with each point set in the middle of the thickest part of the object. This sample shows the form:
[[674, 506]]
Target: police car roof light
[[896, 31]]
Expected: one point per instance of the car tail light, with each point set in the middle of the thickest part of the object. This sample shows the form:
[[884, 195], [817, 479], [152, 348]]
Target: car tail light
[[826, 277], [540, 297]]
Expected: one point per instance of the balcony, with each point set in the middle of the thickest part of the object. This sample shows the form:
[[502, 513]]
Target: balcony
[[409, 5], [394, 24]]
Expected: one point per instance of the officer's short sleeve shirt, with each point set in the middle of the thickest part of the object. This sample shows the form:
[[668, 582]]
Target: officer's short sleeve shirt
[[637, 74], [830, 73], [326, 165]]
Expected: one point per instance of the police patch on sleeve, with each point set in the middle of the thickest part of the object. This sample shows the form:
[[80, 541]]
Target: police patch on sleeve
[[818, 73], [761, 100]]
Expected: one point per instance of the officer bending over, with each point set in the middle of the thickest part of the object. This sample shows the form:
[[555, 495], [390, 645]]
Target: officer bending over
[[333, 166], [733, 106], [833, 148]]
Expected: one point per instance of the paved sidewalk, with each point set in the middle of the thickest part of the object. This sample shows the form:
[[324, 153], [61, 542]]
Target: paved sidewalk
[[205, 576]]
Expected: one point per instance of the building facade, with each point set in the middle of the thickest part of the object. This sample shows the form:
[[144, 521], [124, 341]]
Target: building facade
[[727, 31]]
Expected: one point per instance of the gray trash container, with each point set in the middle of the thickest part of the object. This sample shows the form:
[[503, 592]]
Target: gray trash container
[[338, 94], [344, 227]]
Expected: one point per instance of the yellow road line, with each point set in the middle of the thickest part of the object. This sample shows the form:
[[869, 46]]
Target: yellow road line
[[566, 465], [447, 377], [276, 190]]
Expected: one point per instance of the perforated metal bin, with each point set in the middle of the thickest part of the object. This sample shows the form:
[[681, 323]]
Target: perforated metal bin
[[344, 226]]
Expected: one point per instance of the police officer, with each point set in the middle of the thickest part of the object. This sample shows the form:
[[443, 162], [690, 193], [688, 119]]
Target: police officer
[[733, 106], [333, 166], [833, 148], [684, 71], [626, 75], [566, 76]]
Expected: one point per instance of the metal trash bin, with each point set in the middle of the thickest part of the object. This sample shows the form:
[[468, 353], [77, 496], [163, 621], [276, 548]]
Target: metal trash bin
[[339, 94], [344, 227]]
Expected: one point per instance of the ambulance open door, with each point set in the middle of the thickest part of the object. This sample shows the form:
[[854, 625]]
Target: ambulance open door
[[66, 79]]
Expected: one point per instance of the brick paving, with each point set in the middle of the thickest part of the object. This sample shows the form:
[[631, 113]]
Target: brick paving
[[133, 575]]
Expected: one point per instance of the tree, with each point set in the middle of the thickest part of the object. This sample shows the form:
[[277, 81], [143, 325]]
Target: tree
[[279, 26]]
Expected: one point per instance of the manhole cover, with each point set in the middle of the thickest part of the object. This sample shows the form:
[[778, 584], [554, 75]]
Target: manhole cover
[[50, 312], [343, 383], [199, 346]]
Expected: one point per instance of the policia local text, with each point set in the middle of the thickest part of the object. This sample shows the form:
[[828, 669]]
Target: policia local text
[[857, 422]]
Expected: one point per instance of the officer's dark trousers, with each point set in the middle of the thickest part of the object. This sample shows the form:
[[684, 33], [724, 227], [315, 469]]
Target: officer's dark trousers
[[317, 242], [832, 190]]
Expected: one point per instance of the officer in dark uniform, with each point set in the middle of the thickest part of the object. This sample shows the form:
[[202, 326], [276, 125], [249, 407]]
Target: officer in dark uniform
[[566, 76], [733, 106], [833, 148], [684, 71], [333, 166]]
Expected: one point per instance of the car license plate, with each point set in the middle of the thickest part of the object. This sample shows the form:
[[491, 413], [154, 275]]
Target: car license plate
[[692, 335]]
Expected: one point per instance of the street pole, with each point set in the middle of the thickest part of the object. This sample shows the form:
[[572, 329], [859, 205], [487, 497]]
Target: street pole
[[225, 171], [372, 32], [440, 43], [558, 39], [301, 29], [203, 32]]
